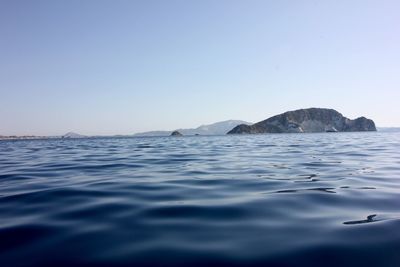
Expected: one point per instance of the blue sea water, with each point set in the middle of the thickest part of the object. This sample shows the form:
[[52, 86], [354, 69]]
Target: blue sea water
[[330, 199]]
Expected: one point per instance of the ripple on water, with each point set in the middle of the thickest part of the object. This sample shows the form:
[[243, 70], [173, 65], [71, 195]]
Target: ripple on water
[[277, 200]]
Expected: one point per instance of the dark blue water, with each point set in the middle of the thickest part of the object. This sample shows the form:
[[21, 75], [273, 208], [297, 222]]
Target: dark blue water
[[329, 199]]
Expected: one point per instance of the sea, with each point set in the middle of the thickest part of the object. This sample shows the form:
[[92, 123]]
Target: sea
[[318, 199]]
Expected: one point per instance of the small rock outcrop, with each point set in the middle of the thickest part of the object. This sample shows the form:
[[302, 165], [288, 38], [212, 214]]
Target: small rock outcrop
[[310, 120], [176, 133], [73, 135]]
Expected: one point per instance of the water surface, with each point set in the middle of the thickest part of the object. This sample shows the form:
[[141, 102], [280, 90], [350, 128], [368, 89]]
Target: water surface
[[329, 199]]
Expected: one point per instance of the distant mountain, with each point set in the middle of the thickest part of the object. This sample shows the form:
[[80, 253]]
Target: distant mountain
[[389, 129], [218, 128], [73, 135], [311, 120]]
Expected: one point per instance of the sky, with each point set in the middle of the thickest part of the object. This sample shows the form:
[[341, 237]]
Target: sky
[[120, 67]]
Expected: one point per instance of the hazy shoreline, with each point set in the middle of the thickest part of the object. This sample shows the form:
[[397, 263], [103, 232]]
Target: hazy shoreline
[[38, 137]]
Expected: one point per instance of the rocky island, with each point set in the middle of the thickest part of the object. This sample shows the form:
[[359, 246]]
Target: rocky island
[[310, 120]]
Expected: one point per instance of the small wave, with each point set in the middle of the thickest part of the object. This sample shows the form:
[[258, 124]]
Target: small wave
[[262, 200]]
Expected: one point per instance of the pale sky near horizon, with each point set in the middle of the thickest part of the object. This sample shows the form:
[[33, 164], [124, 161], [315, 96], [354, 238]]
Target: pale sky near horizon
[[120, 67]]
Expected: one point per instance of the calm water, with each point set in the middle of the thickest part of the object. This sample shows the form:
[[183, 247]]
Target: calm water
[[328, 199]]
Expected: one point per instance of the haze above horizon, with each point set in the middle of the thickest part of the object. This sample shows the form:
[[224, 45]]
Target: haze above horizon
[[120, 67]]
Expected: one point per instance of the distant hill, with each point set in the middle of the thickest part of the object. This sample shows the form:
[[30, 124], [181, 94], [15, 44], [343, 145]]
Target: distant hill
[[311, 120], [73, 135], [218, 128], [389, 129]]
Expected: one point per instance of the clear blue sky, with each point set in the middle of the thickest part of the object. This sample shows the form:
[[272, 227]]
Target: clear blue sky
[[119, 67]]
